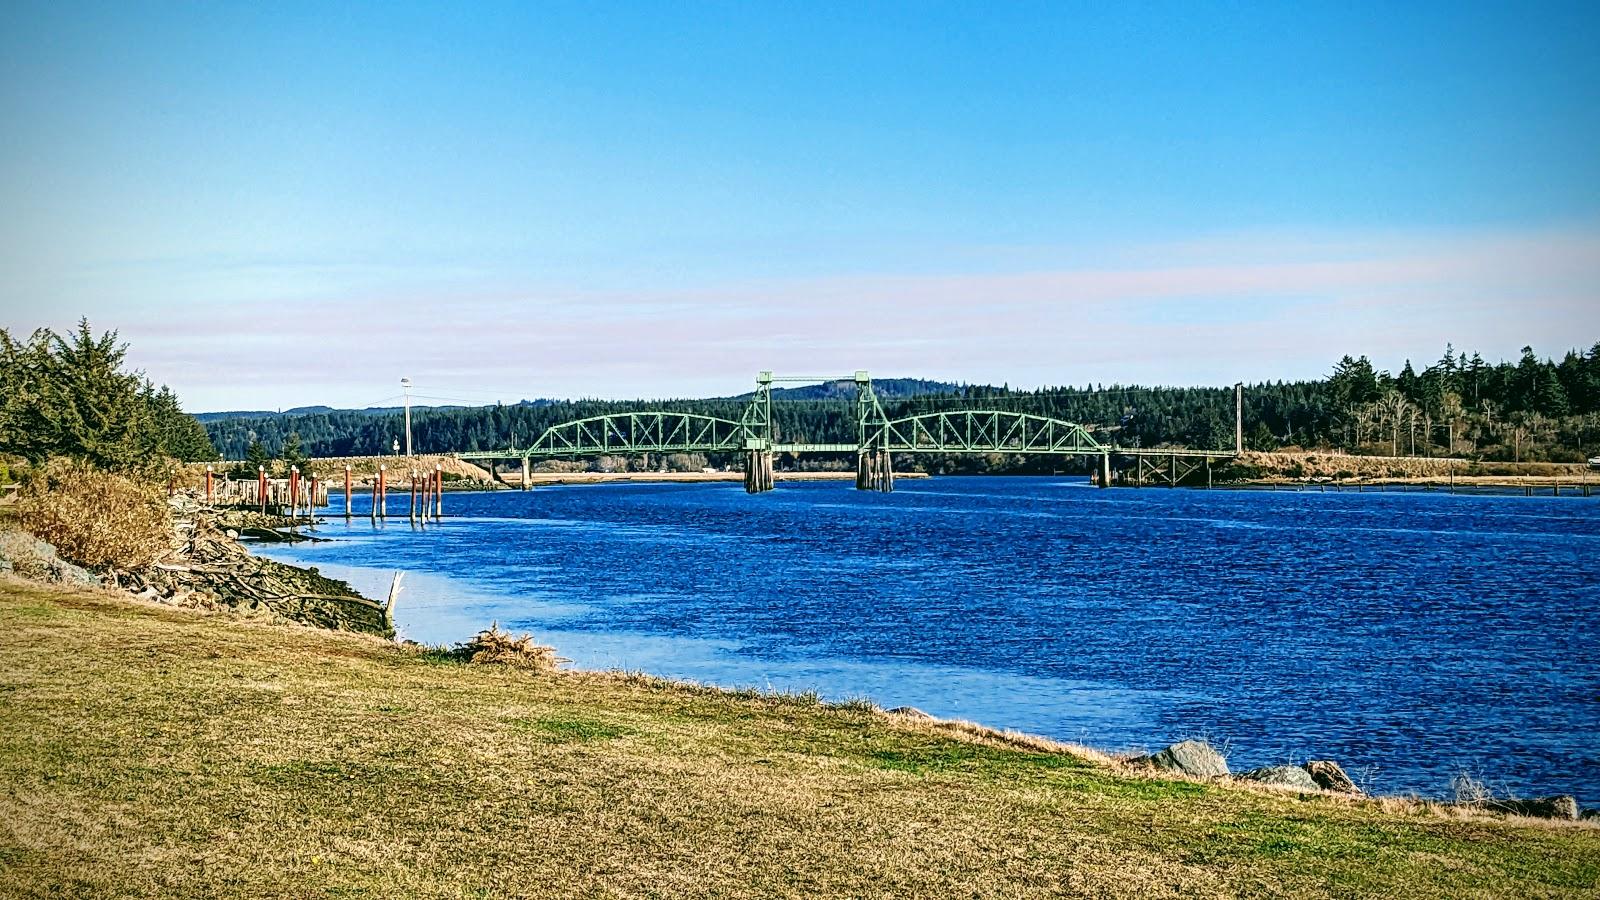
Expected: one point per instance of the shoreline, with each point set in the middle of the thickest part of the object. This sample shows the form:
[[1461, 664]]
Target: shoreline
[[642, 653], [1140, 763], [617, 766]]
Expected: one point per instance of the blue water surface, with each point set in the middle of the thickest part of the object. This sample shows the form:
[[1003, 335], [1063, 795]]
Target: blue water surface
[[1410, 636]]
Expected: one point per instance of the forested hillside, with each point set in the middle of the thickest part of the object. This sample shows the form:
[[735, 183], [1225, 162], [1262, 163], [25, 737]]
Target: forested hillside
[[1533, 409]]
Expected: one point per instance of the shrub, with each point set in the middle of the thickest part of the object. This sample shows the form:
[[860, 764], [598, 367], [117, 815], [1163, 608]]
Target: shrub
[[94, 518], [495, 646]]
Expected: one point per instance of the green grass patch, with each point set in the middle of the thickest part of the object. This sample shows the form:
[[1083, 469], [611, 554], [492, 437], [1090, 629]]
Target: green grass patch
[[568, 730]]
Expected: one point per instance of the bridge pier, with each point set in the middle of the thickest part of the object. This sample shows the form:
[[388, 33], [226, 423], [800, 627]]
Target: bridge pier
[[526, 473], [757, 471], [874, 471], [1105, 470]]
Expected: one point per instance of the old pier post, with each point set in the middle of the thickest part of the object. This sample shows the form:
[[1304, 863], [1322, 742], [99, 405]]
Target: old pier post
[[294, 492], [347, 492], [261, 487], [438, 491], [382, 500], [426, 497], [413, 496], [208, 485]]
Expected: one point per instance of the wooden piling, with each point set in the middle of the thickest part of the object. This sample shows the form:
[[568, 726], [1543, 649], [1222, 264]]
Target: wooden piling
[[347, 492], [261, 487], [413, 496], [208, 485], [438, 493], [382, 500]]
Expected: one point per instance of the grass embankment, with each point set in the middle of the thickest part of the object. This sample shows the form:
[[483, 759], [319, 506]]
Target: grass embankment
[[153, 751]]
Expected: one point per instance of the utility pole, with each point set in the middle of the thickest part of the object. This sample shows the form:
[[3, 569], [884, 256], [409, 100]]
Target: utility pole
[[1238, 418], [406, 383]]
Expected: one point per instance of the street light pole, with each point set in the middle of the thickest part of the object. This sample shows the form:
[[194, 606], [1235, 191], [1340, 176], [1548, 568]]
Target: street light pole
[[406, 383]]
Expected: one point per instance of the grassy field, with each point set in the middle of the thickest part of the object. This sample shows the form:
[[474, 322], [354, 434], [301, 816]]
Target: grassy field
[[147, 751]]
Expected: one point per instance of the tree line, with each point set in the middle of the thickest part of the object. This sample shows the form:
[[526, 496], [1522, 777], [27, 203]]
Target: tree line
[[70, 396], [1533, 409]]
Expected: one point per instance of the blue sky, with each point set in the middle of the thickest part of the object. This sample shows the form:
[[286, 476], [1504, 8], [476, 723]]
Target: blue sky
[[281, 205]]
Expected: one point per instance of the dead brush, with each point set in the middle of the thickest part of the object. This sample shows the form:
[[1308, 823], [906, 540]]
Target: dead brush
[[493, 646], [94, 518]]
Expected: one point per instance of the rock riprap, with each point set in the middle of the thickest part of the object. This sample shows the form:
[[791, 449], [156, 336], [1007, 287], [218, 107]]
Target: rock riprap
[[1561, 806], [1330, 776], [27, 556], [1196, 758], [1283, 776]]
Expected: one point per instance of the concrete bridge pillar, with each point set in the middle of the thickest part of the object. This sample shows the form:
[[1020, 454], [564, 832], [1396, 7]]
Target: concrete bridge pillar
[[527, 472], [1105, 471]]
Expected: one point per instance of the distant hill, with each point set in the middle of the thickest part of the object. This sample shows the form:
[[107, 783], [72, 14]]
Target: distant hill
[[246, 414], [263, 413], [885, 388]]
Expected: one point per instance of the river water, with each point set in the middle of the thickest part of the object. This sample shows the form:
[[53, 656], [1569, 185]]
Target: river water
[[1410, 636]]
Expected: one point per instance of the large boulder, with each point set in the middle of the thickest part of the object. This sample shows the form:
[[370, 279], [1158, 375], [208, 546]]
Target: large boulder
[[1283, 776], [1330, 776], [27, 556], [1196, 758], [1561, 806]]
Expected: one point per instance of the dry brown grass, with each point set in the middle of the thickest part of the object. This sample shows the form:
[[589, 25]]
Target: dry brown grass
[[94, 518], [495, 647], [1294, 465], [153, 752]]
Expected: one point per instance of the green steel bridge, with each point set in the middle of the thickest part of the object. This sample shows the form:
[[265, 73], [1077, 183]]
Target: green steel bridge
[[878, 438]]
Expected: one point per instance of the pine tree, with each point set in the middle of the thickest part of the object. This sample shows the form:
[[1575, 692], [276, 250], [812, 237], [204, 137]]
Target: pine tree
[[256, 459], [293, 455]]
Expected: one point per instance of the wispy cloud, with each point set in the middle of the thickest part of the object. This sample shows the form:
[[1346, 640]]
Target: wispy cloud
[[1212, 310]]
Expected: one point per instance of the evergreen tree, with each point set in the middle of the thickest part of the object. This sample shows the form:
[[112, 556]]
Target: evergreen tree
[[293, 455], [256, 459], [179, 434], [1408, 384], [73, 399]]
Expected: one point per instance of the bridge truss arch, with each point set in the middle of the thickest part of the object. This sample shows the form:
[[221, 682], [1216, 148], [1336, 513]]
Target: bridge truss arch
[[641, 432], [983, 431]]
